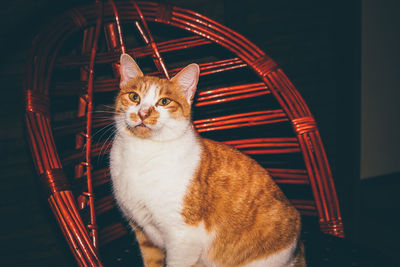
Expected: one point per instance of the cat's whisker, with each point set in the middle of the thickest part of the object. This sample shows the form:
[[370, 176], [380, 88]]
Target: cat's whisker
[[107, 106], [109, 140], [103, 111], [104, 129], [99, 113], [107, 109], [106, 119], [105, 143]]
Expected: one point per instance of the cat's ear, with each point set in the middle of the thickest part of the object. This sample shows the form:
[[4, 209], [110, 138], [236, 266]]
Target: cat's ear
[[128, 69], [187, 78]]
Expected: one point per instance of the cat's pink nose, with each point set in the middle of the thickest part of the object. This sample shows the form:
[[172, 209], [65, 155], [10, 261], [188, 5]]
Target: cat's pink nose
[[144, 113]]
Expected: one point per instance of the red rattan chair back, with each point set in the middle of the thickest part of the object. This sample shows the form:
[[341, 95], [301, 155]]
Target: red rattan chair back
[[243, 99]]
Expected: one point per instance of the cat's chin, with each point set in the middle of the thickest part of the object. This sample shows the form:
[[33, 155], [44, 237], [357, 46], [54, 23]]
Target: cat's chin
[[158, 132], [140, 130]]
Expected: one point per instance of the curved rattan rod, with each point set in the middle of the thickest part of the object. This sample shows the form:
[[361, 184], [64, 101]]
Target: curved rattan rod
[[39, 144], [89, 100], [329, 174], [283, 99], [67, 198], [325, 171], [71, 236], [228, 90], [296, 98], [316, 187], [182, 19], [146, 35], [149, 40], [319, 175], [257, 52], [201, 102], [289, 98], [212, 67], [73, 228], [289, 85], [315, 160], [149, 12], [137, 52], [214, 37], [119, 30]]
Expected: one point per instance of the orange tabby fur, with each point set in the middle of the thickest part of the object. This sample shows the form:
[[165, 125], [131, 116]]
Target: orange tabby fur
[[235, 197]]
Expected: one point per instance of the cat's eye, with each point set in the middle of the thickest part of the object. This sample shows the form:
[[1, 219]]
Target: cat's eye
[[134, 97], [164, 101]]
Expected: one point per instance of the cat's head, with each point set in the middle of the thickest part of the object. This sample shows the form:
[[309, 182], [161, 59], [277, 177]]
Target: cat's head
[[151, 107]]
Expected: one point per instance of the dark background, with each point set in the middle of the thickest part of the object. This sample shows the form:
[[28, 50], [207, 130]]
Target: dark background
[[318, 45]]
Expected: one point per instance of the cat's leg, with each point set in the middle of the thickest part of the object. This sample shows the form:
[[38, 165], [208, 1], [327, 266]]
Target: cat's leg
[[152, 255], [299, 260]]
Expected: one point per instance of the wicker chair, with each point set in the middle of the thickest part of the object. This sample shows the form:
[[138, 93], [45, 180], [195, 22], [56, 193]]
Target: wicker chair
[[244, 99]]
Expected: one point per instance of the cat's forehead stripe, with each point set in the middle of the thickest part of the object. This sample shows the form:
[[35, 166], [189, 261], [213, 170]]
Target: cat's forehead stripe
[[151, 93]]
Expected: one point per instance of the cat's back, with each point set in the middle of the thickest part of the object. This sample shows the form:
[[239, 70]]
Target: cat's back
[[230, 177], [225, 168], [239, 203]]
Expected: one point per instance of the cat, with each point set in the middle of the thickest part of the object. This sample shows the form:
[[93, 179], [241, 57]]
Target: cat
[[192, 201]]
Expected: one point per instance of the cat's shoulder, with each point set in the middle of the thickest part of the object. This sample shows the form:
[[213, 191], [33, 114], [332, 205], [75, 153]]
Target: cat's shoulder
[[218, 148], [216, 153], [215, 146]]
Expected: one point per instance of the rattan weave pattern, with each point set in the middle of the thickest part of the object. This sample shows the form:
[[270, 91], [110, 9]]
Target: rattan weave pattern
[[76, 211]]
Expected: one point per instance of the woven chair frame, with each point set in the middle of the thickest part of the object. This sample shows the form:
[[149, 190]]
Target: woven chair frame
[[83, 239]]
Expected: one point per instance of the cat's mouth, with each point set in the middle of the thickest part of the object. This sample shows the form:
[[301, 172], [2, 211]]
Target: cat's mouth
[[141, 130], [141, 125]]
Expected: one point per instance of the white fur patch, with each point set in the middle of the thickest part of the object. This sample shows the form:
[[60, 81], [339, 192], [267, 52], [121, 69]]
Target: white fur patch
[[150, 99], [150, 177], [283, 258]]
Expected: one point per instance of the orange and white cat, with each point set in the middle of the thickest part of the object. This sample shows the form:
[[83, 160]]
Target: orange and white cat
[[190, 200]]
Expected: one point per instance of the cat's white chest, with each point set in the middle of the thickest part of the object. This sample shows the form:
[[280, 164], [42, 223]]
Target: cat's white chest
[[150, 180]]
